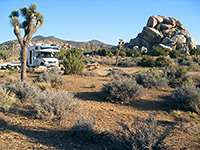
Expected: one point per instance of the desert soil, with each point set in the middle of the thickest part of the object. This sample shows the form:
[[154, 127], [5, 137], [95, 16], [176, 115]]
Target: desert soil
[[19, 130]]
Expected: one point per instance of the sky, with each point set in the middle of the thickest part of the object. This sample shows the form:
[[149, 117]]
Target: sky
[[103, 20]]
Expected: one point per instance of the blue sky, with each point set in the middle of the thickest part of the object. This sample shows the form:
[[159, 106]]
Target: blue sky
[[104, 20]]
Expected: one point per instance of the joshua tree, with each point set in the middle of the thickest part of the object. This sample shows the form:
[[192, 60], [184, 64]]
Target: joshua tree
[[120, 45], [87, 45], [31, 16], [5, 47], [92, 48]]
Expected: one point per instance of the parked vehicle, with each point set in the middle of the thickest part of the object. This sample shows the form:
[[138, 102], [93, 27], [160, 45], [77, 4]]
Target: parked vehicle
[[40, 55]]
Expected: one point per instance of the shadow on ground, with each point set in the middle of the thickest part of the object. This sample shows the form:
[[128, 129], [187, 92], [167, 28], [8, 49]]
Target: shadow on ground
[[63, 139]]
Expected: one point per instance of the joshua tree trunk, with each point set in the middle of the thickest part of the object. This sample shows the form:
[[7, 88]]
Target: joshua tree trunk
[[117, 57]]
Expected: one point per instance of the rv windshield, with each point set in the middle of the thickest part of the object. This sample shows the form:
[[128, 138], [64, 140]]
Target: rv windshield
[[47, 55], [49, 47]]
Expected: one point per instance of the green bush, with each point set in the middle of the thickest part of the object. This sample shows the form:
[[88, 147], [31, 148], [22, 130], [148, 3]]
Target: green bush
[[50, 103], [132, 53], [147, 61], [157, 51], [51, 76], [105, 52], [73, 62], [161, 61], [174, 54], [4, 54], [194, 51], [122, 90], [185, 98], [93, 85], [151, 79]]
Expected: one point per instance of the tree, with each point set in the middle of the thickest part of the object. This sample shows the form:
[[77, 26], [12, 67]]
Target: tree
[[13, 47], [120, 45], [92, 48], [33, 20], [87, 45]]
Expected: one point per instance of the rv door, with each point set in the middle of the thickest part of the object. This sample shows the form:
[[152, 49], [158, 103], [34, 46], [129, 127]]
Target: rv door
[[31, 57]]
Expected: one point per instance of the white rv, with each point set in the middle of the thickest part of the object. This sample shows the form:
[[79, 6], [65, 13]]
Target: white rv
[[40, 55]]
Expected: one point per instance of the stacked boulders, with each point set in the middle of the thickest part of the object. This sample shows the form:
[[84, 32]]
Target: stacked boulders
[[163, 32]]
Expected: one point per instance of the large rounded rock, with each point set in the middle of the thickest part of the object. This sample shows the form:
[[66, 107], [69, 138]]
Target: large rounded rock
[[191, 43], [152, 22], [172, 21], [151, 35], [164, 26], [158, 18], [165, 46]]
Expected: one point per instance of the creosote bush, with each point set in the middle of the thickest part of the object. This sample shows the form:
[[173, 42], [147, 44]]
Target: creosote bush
[[146, 61], [151, 79], [51, 76], [49, 104], [157, 51], [185, 98], [73, 62], [122, 90]]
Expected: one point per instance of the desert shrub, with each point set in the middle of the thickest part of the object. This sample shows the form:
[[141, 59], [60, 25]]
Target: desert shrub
[[146, 61], [73, 62], [89, 73], [92, 85], [132, 53], [174, 54], [51, 76], [141, 134], [194, 51], [184, 60], [7, 99], [43, 85], [128, 62], [10, 80], [24, 90], [4, 54], [185, 98], [181, 72], [161, 61], [105, 52], [196, 59], [122, 90], [193, 67], [151, 79], [158, 51], [49, 103]]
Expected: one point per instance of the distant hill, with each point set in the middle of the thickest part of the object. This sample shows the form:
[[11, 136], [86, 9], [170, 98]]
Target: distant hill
[[63, 44]]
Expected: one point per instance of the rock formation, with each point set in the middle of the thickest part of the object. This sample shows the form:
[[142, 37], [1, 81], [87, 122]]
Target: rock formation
[[163, 32]]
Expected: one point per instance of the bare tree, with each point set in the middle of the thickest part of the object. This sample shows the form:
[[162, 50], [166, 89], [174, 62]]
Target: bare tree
[[120, 45], [33, 20]]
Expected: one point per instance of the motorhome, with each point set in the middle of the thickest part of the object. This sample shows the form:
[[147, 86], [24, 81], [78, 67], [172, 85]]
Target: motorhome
[[40, 55]]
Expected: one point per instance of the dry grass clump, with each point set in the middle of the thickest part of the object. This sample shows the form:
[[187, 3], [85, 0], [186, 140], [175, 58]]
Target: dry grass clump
[[7, 99]]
